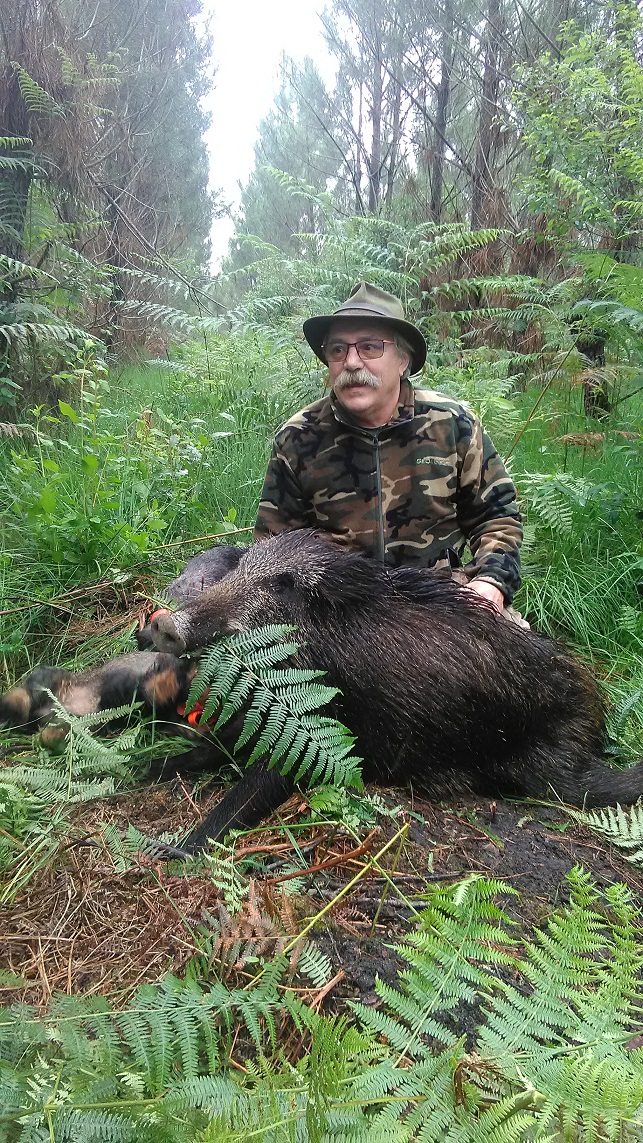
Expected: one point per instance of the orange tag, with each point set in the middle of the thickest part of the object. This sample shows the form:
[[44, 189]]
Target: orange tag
[[159, 611], [196, 712]]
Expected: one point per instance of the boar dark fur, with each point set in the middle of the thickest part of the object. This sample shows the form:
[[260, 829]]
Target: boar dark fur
[[439, 688]]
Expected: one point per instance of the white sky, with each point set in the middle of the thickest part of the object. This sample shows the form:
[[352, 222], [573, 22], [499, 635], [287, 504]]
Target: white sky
[[249, 37]]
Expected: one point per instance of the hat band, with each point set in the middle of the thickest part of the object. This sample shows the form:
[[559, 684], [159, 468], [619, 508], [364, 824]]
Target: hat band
[[359, 310]]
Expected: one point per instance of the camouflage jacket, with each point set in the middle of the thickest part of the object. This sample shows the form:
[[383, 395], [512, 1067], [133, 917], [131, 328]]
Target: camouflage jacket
[[413, 492]]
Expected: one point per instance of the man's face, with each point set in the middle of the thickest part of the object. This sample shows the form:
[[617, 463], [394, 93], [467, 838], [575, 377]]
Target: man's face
[[368, 390]]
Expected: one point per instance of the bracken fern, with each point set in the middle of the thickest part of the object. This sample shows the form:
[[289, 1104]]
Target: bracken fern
[[242, 672], [549, 1054], [622, 828]]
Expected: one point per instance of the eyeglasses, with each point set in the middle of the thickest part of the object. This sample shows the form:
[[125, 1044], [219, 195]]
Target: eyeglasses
[[368, 348]]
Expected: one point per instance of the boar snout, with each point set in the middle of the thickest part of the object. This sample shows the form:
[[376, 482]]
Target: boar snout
[[166, 635]]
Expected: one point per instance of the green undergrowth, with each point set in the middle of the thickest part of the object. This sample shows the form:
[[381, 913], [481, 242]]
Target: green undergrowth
[[488, 1035], [108, 484], [39, 788], [551, 1050]]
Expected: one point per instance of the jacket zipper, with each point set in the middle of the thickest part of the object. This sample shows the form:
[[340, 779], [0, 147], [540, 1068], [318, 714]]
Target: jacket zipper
[[381, 546]]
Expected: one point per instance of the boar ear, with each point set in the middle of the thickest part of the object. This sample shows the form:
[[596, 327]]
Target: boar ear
[[304, 582], [284, 582]]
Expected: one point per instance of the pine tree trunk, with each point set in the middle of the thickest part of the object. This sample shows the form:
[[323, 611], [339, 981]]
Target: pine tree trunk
[[488, 121], [395, 146], [358, 147], [375, 165], [442, 106]]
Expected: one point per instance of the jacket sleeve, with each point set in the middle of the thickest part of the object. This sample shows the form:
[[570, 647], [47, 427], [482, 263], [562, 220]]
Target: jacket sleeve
[[487, 511], [281, 505]]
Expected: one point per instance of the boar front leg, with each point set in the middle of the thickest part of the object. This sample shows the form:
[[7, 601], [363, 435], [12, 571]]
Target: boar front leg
[[256, 795]]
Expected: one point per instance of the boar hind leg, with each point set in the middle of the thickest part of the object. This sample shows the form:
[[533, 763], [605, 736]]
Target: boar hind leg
[[603, 785], [575, 774], [258, 794]]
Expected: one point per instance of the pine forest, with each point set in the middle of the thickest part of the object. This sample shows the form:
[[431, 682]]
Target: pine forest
[[367, 963]]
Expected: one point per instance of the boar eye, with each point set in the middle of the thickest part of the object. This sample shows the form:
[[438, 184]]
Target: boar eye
[[283, 582]]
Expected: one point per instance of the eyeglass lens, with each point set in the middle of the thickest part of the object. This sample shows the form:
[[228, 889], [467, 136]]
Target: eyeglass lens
[[368, 350]]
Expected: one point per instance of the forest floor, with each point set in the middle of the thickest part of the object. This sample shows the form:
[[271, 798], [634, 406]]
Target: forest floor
[[82, 925]]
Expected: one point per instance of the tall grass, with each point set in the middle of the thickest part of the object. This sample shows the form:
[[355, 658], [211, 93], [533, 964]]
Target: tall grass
[[121, 477]]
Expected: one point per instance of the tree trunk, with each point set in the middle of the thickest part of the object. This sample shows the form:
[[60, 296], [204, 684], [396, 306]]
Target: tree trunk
[[596, 398], [375, 165], [442, 106], [358, 147], [16, 183], [395, 143], [488, 122]]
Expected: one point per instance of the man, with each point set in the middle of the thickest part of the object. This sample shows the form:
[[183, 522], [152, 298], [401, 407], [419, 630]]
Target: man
[[408, 475]]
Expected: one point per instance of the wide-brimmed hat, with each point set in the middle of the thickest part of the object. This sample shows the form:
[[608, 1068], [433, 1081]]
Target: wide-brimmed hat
[[368, 302]]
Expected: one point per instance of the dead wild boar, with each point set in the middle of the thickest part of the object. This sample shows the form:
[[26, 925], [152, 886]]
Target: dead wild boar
[[439, 689]]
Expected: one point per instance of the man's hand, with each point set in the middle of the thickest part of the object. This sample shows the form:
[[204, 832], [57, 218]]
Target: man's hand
[[488, 591]]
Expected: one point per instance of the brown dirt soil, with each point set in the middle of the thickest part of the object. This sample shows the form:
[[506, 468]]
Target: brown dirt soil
[[80, 925]]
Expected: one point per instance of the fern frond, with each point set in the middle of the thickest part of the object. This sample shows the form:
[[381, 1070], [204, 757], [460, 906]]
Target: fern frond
[[157, 314], [569, 1075], [37, 100], [624, 830], [87, 767], [20, 163], [123, 848], [600, 1095], [95, 1127], [223, 872], [592, 207], [54, 785], [569, 969], [12, 268], [315, 964], [18, 141], [149, 278], [85, 751], [54, 331], [556, 499], [242, 672]]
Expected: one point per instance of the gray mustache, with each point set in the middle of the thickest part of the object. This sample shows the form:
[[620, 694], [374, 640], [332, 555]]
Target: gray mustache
[[358, 377]]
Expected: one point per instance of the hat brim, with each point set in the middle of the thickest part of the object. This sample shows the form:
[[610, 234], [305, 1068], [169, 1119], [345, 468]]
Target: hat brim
[[316, 328]]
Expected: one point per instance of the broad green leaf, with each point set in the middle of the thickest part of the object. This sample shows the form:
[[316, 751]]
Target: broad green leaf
[[90, 463], [67, 411]]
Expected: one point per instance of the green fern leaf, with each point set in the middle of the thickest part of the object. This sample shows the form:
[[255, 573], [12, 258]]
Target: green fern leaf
[[624, 830], [37, 100], [243, 672], [315, 964]]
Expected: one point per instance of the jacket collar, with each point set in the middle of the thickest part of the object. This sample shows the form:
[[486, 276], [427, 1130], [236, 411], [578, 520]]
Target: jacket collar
[[405, 410]]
